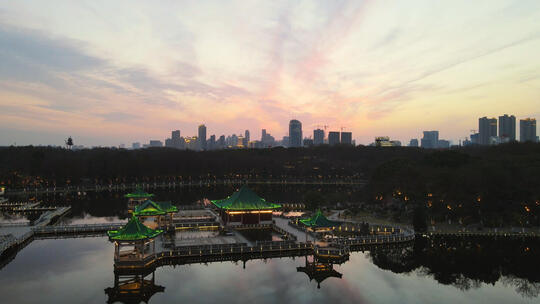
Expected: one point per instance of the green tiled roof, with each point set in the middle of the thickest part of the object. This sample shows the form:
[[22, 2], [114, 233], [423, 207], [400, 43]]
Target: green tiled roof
[[318, 220], [244, 199], [150, 207], [138, 193], [134, 230]]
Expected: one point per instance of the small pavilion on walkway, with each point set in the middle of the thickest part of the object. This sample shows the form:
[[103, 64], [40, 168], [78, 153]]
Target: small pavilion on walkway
[[161, 213], [245, 207], [318, 223], [134, 241], [137, 197]]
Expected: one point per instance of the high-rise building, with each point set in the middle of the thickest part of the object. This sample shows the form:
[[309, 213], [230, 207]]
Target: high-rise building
[[443, 144], [413, 142], [507, 127], [475, 139], [318, 137], [263, 135], [169, 143], [202, 137], [487, 128], [177, 141], [346, 138], [221, 142], [246, 136], [308, 142], [211, 145], [333, 138], [156, 143], [430, 140], [527, 130], [295, 133], [175, 134]]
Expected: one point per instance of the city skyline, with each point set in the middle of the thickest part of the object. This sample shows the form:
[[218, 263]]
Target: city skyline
[[377, 69]]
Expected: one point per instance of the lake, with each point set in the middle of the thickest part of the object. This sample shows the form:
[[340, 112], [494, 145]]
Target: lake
[[430, 270]]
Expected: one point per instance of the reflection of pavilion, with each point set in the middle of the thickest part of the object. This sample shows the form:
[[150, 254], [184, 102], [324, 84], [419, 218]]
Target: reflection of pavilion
[[319, 271], [133, 288]]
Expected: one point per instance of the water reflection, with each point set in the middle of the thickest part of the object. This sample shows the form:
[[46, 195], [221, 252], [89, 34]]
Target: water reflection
[[133, 288], [319, 270], [467, 263]]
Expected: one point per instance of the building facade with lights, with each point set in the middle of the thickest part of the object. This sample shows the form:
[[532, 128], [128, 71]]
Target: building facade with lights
[[245, 207]]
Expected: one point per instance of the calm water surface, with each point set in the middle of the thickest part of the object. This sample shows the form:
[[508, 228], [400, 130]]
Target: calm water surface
[[428, 271], [79, 270]]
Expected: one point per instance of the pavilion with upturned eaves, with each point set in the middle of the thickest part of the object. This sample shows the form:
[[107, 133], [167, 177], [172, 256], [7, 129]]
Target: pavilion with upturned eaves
[[319, 223], [134, 241], [245, 207], [137, 197], [161, 213]]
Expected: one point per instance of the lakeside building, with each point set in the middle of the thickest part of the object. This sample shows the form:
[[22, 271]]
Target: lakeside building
[[245, 207]]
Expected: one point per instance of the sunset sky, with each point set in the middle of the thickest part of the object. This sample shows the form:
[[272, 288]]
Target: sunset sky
[[112, 72]]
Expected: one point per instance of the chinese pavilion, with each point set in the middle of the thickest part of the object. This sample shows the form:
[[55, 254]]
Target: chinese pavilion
[[137, 238], [160, 212], [245, 207], [319, 222], [137, 197]]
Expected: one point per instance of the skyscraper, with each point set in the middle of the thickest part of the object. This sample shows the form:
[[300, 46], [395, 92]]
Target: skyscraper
[[263, 135], [246, 136], [318, 137], [487, 128], [527, 130], [295, 133], [346, 138], [333, 138], [177, 141], [430, 140], [507, 127], [202, 137]]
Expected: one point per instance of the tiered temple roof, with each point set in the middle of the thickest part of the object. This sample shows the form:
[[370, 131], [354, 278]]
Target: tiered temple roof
[[318, 220], [134, 230], [244, 199], [138, 193], [151, 208]]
